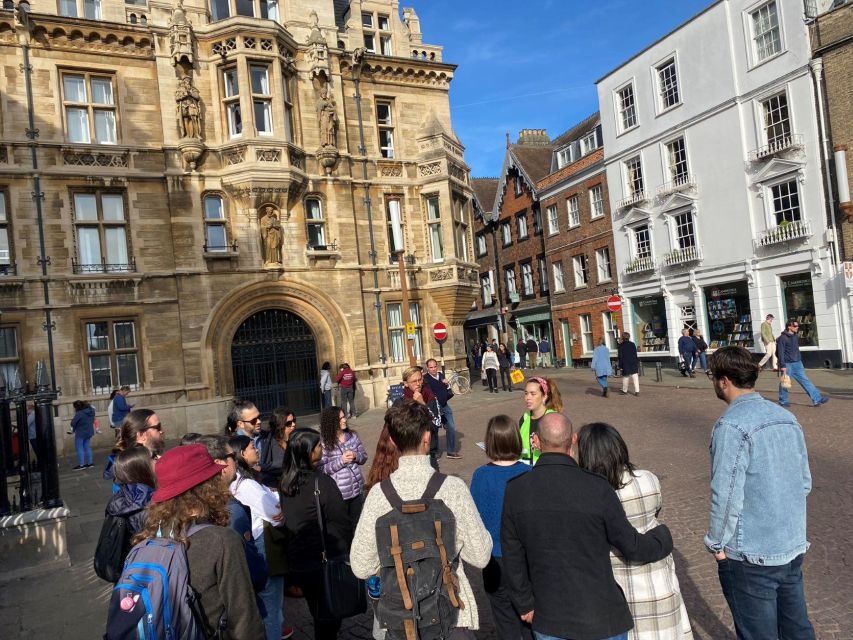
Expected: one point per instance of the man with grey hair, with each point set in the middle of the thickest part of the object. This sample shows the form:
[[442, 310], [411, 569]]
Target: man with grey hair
[[558, 507]]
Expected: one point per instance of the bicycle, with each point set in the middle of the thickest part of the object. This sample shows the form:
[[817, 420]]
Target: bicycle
[[459, 384]]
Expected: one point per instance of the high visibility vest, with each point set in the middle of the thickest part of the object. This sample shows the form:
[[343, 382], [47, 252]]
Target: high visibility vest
[[526, 448]]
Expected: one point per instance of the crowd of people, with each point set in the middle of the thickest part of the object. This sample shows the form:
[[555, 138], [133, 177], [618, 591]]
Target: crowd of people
[[561, 522]]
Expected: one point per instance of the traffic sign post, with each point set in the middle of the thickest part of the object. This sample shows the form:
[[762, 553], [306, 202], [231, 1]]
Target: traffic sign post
[[439, 332], [614, 304], [411, 330]]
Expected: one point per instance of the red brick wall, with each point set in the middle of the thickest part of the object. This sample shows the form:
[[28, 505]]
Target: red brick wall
[[572, 313]]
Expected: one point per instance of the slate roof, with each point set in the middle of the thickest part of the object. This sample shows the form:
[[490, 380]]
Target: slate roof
[[485, 190], [584, 126], [535, 160]]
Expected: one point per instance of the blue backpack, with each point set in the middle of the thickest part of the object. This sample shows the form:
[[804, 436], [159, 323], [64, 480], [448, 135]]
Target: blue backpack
[[153, 598]]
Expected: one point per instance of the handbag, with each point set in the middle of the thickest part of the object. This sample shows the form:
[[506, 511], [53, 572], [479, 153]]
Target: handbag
[[276, 541], [343, 595], [785, 381], [516, 376]]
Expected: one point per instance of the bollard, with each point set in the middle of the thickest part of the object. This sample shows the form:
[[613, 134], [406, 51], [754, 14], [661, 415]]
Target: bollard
[[641, 369], [658, 372]]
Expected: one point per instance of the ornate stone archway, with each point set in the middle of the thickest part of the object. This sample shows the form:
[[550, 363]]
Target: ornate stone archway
[[331, 333]]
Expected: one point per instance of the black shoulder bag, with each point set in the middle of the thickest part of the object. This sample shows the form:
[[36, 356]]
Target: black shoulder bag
[[343, 595]]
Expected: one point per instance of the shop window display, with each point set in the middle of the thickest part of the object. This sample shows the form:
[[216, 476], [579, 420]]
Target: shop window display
[[729, 316], [650, 328], [799, 305]]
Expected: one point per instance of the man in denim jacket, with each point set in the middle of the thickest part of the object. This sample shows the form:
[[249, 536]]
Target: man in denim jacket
[[759, 482]]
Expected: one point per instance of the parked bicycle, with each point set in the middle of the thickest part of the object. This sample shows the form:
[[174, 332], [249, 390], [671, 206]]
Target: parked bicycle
[[459, 383]]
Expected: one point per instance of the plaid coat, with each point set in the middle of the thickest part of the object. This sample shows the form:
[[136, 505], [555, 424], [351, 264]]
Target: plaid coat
[[652, 590]]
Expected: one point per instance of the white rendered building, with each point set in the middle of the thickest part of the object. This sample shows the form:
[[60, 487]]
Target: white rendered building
[[713, 160]]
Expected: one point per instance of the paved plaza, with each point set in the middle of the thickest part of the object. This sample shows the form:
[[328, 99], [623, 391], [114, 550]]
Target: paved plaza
[[667, 429]]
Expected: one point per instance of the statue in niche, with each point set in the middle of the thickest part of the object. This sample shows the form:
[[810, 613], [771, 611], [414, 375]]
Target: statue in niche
[[188, 101], [180, 37], [328, 119], [271, 234]]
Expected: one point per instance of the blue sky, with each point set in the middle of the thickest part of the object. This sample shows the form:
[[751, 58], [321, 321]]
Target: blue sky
[[533, 64]]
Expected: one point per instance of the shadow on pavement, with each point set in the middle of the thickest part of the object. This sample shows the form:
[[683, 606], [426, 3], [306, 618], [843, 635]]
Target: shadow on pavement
[[702, 617]]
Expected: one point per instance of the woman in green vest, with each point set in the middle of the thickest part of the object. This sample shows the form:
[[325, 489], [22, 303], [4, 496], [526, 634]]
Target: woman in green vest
[[541, 396]]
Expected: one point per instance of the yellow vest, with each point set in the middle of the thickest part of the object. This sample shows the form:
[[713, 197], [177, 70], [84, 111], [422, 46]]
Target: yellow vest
[[526, 449]]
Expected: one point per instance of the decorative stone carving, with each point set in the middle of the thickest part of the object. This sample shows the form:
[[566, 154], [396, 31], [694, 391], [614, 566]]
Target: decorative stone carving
[[268, 155], [390, 169], [431, 169], [235, 155], [328, 119], [225, 47], [86, 159], [318, 51], [297, 159], [271, 236], [180, 37], [191, 150], [188, 101], [4, 155], [439, 275], [288, 63], [457, 172], [328, 157]]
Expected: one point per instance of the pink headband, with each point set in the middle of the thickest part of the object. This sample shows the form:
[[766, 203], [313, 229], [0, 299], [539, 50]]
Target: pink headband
[[543, 384]]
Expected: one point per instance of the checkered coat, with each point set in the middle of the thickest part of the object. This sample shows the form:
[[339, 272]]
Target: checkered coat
[[652, 590]]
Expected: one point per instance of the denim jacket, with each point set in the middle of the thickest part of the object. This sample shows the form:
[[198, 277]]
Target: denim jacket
[[759, 482]]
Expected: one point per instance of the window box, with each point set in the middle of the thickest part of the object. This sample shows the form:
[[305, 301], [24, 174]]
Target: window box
[[785, 232], [683, 183], [683, 256], [637, 198], [780, 145], [639, 265]]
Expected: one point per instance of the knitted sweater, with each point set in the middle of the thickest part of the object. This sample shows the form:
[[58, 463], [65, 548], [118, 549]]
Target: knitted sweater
[[472, 538]]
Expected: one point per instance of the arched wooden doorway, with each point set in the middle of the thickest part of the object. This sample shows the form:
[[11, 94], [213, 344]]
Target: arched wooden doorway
[[274, 362]]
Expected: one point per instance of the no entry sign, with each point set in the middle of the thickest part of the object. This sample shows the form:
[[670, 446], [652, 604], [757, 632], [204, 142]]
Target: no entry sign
[[614, 303], [439, 332]]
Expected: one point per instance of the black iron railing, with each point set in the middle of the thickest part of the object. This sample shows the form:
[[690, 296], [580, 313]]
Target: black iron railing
[[220, 248], [9, 269], [104, 267]]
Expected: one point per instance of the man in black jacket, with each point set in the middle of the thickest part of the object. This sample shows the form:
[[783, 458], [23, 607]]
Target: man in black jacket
[[558, 525], [628, 363]]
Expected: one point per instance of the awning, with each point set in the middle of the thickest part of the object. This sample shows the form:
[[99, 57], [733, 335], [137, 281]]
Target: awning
[[535, 314], [481, 318]]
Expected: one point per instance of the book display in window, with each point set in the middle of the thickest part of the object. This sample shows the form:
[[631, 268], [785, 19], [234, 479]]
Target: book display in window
[[729, 316], [651, 327]]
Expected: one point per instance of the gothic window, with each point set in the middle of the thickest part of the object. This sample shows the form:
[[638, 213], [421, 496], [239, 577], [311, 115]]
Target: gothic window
[[316, 223]]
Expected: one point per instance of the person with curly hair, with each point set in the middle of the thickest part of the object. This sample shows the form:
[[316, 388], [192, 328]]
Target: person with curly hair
[[343, 454], [385, 460], [191, 491]]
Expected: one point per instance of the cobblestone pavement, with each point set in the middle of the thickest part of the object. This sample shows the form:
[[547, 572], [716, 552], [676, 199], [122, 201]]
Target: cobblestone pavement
[[667, 429]]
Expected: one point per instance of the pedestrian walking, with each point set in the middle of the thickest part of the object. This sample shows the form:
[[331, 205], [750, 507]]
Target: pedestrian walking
[[265, 508], [628, 363], [505, 361], [601, 366], [440, 387], [343, 455], [532, 351], [346, 383], [701, 348], [83, 427], [760, 480], [521, 350], [488, 484], [491, 364], [541, 396], [791, 365], [326, 384], [119, 407], [544, 351], [769, 343], [652, 590], [409, 426], [688, 352], [190, 491], [302, 488], [558, 510]]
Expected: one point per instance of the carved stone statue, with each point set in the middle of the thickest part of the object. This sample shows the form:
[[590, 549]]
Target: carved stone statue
[[328, 119], [318, 51], [188, 102], [180, 36], [271, 234]]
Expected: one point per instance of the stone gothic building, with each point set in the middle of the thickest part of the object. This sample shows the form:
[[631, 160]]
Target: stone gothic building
[[217, 189]]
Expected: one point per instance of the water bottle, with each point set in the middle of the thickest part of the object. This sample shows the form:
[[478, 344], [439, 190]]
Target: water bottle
[[374, 587]]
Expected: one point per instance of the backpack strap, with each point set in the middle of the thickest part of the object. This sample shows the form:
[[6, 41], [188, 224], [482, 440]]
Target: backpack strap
[[446, 572], [196, 527], [391, 494], [434, 484], [397, 553]]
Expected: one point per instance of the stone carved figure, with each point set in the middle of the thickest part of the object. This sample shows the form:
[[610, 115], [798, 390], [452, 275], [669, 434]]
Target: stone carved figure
[[271, 234], [180, 36], [328, 119], [188, 101]]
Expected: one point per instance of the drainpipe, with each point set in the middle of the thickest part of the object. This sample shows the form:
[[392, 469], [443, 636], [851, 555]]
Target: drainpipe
[[841, 309], [358, 61], [22, 19]]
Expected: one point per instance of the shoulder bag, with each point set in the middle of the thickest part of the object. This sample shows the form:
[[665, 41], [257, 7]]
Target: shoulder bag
[[343, 595]]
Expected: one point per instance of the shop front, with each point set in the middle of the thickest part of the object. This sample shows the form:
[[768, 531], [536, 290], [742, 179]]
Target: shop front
[[649, 329], [798, 301], [729, 316], [535, 322]]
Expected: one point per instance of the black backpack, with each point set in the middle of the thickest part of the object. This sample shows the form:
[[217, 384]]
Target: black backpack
[[113, 547], [418, 562]]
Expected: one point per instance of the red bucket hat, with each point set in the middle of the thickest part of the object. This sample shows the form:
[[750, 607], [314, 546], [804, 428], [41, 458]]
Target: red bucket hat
[[182, 468]]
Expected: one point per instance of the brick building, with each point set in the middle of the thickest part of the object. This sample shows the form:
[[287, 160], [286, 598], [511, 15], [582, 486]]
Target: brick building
[[514, 264], [485, 321], [224, 187], [579, 242]]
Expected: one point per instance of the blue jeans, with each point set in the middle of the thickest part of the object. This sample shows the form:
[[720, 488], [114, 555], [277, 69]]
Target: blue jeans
[[689, 363], [542, 636], [84, 449], [703, 360], [602, 380], [797, 372], [449, 428], [327, 398], [273, 598], [766, 602]]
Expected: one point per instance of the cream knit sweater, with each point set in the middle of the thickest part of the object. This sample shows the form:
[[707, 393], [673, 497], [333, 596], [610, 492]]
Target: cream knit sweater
[[472, 539]]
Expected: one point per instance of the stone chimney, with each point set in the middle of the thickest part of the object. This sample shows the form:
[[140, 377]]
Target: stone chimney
[[534, 137]]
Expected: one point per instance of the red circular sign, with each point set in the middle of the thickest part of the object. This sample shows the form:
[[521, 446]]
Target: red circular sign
[[614, 303], [439, 331]]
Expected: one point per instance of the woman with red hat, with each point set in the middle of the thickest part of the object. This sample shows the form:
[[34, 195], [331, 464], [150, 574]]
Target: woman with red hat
[[191, 491]]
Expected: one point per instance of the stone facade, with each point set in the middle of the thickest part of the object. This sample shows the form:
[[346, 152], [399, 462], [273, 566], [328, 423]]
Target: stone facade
[[199, 170], [579, 243]]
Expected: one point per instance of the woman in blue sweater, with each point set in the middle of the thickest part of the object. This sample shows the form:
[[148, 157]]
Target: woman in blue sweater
[[503, 446], [83, 427]]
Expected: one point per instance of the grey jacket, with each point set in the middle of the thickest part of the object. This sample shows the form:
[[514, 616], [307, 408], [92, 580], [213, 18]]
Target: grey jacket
[[348, 477]]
